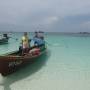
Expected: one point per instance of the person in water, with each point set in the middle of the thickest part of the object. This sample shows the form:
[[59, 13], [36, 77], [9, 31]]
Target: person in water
[[25, 43]]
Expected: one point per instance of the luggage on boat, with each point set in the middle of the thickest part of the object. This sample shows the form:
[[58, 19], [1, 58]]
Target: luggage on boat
[[35, 51]]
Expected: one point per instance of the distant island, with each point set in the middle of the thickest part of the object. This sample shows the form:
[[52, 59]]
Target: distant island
[[84, 32], [69, 32]]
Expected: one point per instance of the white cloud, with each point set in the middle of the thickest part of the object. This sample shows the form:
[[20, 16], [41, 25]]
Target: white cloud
[[16, 8], [51, 20]]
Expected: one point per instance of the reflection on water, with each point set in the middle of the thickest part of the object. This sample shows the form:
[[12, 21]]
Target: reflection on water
[[25, 72]]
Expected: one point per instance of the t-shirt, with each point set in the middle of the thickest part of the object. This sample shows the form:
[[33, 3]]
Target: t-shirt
[[38, 41], [25, 42]]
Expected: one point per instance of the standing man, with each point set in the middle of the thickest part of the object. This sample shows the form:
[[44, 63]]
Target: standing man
[[25, 43]]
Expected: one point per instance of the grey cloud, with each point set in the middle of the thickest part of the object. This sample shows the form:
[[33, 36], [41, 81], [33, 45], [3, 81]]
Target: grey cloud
[[30, 15]]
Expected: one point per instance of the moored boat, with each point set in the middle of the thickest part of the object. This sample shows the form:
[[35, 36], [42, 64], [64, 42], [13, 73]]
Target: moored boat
[[4, 39], [12, 61]]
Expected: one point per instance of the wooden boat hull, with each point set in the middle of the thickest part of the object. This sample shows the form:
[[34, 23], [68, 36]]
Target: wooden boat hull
[[9, 64]]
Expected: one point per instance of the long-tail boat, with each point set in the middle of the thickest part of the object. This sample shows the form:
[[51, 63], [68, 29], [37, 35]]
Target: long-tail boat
[[12, 61]]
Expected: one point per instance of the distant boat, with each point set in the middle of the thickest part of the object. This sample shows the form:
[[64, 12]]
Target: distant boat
[[12, 61], [4, 39]]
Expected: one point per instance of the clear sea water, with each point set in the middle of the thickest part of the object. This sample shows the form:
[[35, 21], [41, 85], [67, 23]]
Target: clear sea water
[[65, 66]]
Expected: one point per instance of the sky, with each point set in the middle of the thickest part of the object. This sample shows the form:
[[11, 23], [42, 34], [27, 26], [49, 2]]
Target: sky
[[45, 15]]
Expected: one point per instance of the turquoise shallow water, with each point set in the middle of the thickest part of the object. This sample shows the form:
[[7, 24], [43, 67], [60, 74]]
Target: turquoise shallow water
[[66, 66]]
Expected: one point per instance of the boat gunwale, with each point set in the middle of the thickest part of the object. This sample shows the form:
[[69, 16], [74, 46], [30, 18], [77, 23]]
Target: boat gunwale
[[15, 57]]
